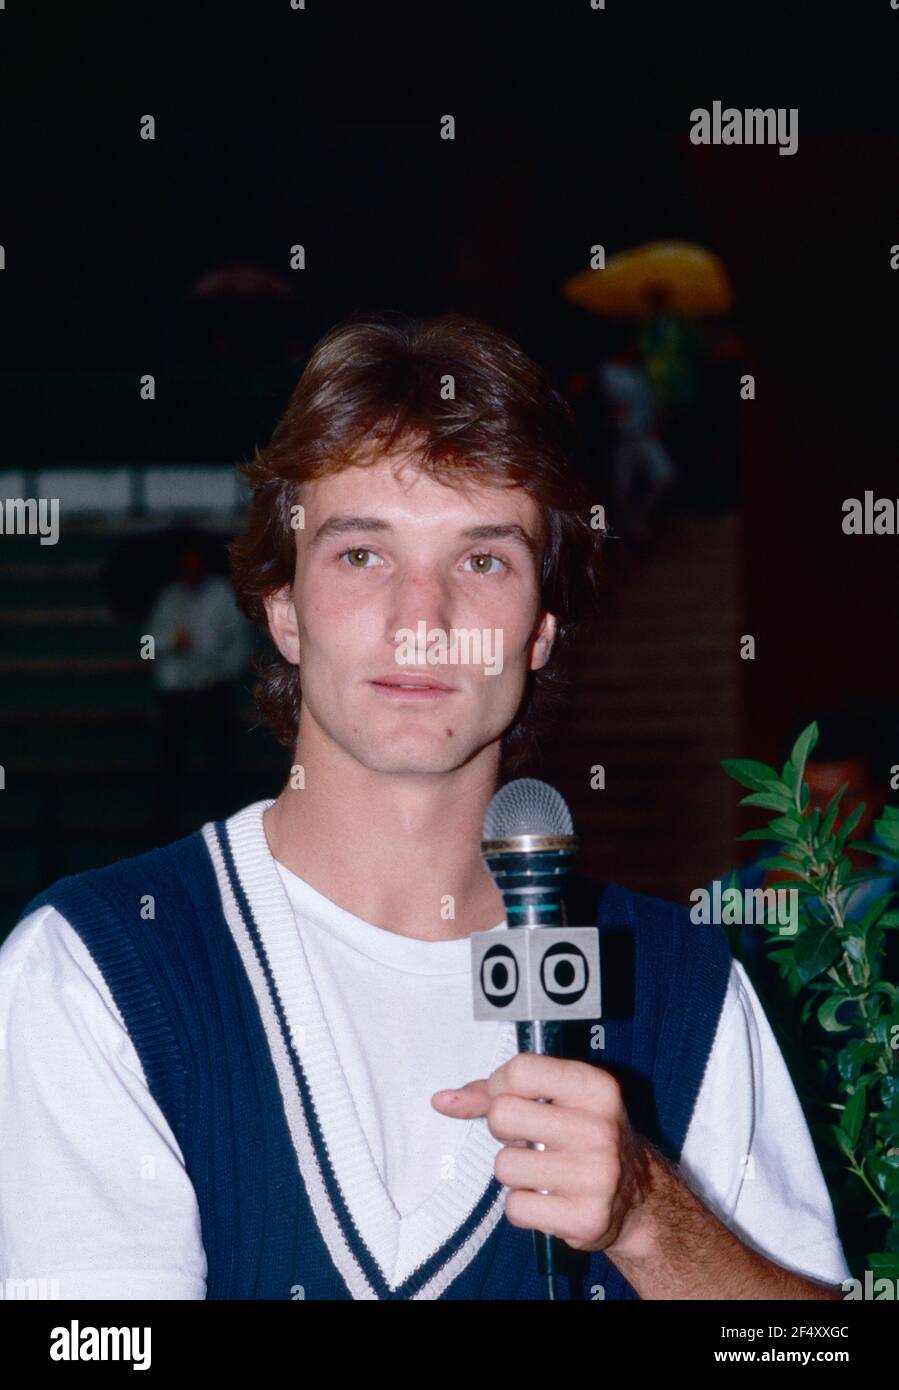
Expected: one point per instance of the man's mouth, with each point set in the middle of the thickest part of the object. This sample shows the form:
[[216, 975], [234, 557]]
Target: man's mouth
[[410, 687]]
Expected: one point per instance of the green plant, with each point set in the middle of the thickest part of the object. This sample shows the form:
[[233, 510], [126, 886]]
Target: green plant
[[835, 959]]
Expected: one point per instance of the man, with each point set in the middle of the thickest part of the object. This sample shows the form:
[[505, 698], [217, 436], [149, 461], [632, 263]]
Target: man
[[202, 648], [227, 1061]]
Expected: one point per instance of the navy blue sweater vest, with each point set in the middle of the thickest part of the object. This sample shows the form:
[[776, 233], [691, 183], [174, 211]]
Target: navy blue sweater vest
[[183, 991]]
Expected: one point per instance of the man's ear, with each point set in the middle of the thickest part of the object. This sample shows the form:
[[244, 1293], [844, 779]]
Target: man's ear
[[543, 641], [282, 623]]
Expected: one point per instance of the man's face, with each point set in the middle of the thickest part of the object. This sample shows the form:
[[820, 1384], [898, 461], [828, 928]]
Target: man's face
[[386, 552]]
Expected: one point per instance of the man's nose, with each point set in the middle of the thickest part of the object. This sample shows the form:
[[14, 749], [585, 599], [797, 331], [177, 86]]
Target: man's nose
[[418, 598]]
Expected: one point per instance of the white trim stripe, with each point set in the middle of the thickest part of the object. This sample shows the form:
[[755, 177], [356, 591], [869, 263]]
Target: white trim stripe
[[294, 1114]]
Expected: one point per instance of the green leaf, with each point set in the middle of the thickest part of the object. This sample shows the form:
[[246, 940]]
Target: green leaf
[[815, 950], [750, 773], [792, 982], [853, 1056], [887, 828], [872, 847], [827, 1014], [887, 1126], [889, 1089], [883, 1028], [787, 827], [875, 912], [883, 1173], [884, 1264], [849, 824], [843, 1140], [853, 1114], [790, 778], [802, 747], [807, 1006], [779, 861], [762, 833], [854, 946], [771, 800], [831, 811]]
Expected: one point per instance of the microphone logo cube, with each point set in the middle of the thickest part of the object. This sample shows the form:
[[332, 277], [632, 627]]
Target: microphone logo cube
[[525, 974]]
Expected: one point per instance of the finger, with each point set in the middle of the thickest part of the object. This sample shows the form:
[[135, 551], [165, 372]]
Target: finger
[[562, 1174], [557, 1126], [467, 1102], [533, 1211], [559, 1079]]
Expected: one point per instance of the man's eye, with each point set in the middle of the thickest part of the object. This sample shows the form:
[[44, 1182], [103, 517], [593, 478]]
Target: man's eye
[[479, 568], [353, 561]]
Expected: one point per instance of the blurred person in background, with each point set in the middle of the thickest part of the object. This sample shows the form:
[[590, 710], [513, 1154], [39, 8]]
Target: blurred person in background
[[202, 648], [642, 474], [617, 412]]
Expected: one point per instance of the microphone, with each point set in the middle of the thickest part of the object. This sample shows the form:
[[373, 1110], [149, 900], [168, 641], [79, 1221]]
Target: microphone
[[543, 972]]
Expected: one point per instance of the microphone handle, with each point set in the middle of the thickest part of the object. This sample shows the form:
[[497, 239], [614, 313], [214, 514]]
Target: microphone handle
[[544, 1038]]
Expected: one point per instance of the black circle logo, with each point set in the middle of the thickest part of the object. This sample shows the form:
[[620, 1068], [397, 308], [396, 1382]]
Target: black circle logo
[[499, 976], [564, 973]]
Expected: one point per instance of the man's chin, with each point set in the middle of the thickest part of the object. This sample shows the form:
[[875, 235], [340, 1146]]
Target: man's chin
[[397, 763], [416, 753]]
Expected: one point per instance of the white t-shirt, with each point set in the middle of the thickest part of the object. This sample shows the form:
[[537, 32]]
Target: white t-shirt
[[93, 1189]]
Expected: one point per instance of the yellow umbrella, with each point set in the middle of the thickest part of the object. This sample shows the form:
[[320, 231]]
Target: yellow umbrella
[[670, 277]]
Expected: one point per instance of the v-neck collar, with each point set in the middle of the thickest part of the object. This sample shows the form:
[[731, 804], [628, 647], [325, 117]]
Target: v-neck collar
[[379, 1253]]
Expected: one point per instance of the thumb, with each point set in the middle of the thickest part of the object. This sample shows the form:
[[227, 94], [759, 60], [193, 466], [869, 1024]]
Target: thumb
[[467, 1102]]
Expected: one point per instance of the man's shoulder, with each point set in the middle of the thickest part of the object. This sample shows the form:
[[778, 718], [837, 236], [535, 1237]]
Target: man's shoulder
[[653, 951], [614, 905], [664, 983]]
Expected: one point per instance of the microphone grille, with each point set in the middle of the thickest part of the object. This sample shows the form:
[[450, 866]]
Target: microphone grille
[[527, 807]]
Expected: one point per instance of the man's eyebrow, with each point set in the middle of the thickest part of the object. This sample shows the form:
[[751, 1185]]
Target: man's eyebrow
[[340, 525], [499, 531], [490, 531]]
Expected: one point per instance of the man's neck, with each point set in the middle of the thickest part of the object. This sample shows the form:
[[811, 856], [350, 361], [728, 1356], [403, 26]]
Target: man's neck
[[401, 852]]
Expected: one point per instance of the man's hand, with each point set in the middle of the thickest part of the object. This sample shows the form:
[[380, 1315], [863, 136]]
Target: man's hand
[[594, 1168], [598, 1185]]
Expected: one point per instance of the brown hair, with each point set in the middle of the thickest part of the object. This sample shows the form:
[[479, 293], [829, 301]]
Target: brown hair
[[377, 380]]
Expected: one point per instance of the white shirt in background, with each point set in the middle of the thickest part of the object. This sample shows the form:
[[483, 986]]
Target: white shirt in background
[[221, 638]]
